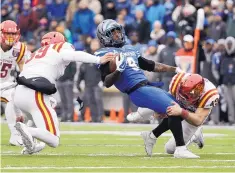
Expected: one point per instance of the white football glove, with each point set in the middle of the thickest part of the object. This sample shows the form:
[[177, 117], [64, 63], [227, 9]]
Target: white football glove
[[121, 63]]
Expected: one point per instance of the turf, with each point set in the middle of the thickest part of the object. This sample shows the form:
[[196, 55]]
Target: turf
[[118, 153]]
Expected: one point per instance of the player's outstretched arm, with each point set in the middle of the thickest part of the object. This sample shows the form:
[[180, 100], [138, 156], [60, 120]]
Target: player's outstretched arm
[[150, 65], [195, 119], [80, 56]]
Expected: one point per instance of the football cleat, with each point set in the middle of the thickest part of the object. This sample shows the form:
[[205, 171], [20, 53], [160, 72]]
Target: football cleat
[[37, 148], [16, 140], [148, 142], [26, 136], [183, 153], [134, 117]]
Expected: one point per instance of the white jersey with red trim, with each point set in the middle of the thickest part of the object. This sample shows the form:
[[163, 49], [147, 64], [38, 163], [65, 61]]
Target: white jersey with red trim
[[51, 60], [9, 60], [209, 98], [46, 62]]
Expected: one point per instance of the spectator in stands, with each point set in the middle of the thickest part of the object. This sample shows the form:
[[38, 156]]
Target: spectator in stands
[[5, 14], [231, 24], [15, 12], [167, 56], [168, 23], [83, 21], [72, 8], [31, 45], [95, 6], [142, 26], [137, 5], [57, 10], [65, 88], [43, 27], [158, 33], [93, 93], [40, 9], [206, 65], [227, 72], [27, 21], [97, 19], [155, 11], [62, 28], [53, 25], [109, 10], [123, 4], [217, 28], [152, 53]]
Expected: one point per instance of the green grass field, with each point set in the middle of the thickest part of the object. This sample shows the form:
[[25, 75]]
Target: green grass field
[[118, 148]]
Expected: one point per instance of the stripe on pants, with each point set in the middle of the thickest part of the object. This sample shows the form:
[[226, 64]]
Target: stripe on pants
[[45, 112]]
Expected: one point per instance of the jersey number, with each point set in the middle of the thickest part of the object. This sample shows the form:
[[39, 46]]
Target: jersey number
[[214, 103], [4, 69], [40, 53], [131, 63]]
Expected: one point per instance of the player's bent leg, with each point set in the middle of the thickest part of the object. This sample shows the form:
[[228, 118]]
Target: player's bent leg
[[188, 132], [170, 146], [46, 121], [10, 113]]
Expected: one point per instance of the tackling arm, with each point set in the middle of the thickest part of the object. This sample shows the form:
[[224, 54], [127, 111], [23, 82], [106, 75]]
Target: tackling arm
[[150, 65], [111, 78], [198, 117]]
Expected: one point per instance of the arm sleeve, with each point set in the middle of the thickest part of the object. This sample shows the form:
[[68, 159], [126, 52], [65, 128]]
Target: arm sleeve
[[146, 64], [68, 55]]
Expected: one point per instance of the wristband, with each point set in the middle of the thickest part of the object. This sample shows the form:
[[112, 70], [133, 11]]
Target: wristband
[[184, 114]]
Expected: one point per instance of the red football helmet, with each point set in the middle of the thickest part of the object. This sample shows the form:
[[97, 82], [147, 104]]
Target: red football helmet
[[52, 38], [10, 33], [190, 89]]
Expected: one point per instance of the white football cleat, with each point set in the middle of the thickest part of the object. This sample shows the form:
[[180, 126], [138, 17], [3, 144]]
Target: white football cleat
[[134, 117], [16, 140], [148, 142], [37, 148], [183, 153], [199, 139], [26, 136]]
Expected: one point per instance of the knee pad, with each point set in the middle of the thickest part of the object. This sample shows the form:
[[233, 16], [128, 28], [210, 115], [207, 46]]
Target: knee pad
[[170, 146]]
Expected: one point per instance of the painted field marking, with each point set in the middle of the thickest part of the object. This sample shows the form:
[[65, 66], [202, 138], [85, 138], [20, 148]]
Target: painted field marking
[[117, 167]]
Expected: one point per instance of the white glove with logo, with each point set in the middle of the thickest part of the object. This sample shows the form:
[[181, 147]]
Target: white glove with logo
[[121, 62]]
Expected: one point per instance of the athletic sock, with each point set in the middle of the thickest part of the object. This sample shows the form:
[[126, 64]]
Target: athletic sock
[[175, 126], [161, 128]]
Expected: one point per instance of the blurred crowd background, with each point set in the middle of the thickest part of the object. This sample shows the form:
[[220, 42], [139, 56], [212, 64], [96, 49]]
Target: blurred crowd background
[[155, 27]]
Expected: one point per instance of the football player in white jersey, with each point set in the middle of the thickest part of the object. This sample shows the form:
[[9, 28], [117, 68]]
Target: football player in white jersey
[[13, 54], [196, 96], [37, 83]]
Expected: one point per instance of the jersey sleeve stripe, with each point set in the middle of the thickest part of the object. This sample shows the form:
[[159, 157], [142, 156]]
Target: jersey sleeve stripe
[[60, 46], [22, 51], [207, 96], [176, 83], [4, 100]]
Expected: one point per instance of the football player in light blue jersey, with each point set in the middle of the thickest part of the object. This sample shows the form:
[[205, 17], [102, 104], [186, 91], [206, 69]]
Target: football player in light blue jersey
[[130, 79]]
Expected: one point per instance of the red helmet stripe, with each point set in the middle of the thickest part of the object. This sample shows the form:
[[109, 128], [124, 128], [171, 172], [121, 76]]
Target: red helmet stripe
[[207, 96], [176, 83]]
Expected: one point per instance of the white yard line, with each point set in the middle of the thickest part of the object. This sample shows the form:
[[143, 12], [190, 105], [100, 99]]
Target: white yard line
[[127, 133], [12, 153], [116, 167]]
